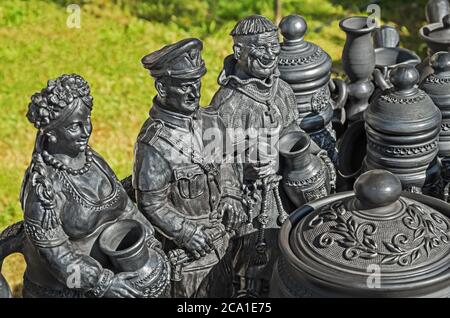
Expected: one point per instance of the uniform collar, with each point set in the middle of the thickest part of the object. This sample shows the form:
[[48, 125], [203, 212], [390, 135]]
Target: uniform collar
[[173, 119]]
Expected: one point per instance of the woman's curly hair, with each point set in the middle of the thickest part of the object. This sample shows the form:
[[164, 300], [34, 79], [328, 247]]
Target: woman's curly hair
[[48, 105]]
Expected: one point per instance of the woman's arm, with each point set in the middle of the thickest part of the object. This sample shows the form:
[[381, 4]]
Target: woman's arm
[[44, 230]]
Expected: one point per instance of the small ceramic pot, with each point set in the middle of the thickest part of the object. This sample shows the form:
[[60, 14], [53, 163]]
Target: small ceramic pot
[[124, 242], [306, 177]]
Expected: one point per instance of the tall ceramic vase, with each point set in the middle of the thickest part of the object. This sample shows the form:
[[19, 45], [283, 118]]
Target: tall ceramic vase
[[358, 59]]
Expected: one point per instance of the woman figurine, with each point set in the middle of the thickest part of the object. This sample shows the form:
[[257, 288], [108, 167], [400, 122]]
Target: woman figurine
[[69, 196]]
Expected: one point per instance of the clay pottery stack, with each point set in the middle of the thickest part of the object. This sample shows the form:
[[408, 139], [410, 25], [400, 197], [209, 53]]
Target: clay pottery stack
[[307, 68], [402, 128]]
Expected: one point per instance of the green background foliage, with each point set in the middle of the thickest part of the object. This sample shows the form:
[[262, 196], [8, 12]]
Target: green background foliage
[[36, 45]]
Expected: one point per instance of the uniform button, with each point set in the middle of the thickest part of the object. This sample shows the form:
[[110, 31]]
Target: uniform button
[[213, 198], [189, 174]]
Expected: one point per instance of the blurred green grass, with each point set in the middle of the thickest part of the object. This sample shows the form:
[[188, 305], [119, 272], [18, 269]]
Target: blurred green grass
[[36, 45]]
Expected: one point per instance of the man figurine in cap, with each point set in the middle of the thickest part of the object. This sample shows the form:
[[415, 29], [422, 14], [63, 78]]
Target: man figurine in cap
[[252, 97], [181, 182]]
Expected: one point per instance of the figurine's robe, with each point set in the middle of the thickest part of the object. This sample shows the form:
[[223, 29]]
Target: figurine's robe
[[267, 108]]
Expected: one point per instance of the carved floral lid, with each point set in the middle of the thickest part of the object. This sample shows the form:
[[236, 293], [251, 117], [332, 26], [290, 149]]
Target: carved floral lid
[[346, 237], [405, 109], [301, 61]]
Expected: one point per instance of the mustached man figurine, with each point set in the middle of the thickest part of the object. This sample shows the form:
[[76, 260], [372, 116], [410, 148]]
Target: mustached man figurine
[[180, 180]]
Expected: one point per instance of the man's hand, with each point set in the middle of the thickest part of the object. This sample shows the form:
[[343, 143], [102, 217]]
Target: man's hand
[[199, 245], [233, 214]]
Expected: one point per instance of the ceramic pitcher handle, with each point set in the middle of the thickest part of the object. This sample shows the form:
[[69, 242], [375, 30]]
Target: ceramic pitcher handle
[[380, 81], [340, 87]]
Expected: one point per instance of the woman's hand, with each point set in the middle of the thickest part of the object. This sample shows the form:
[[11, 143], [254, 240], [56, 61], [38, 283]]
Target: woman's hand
[[121, 287]]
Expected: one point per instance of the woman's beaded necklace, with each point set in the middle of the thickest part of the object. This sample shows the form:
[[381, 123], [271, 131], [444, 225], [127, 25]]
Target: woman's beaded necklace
[[57, 164]]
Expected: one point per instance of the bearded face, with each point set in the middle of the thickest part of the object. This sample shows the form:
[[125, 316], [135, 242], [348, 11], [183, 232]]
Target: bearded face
[[258, 54]]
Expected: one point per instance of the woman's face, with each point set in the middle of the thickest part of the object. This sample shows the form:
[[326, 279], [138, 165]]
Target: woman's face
[[73, 135]]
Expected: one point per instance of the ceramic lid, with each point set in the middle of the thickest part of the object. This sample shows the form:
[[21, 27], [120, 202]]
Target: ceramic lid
[[301, 61], [441, 32], [438, 83], [407, 241], [405, 108], [437, 35]]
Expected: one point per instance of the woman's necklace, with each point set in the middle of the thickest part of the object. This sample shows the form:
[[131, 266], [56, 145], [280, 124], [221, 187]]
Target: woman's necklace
[[57, 164]]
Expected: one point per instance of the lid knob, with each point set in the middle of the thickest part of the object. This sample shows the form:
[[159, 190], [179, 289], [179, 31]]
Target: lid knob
[[293, 27], [377, 188], [404, 77], [440, 62]]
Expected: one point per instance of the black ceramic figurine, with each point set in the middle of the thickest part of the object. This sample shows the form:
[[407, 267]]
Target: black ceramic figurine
[[402, 126], [253, 99], [182, 184], [307, 68], [71, 198], [371, 242]]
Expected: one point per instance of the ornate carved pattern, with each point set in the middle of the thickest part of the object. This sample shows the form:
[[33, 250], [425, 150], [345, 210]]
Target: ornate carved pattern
[[331, 169], [46, 232], [45, 237], [326, 139], [308, 181], [160, 285], [106, 204], [430, 230], [404, 151], [445, 126], [317, 193], [393, 99], [320, 100], [433, 79], [302, 60]]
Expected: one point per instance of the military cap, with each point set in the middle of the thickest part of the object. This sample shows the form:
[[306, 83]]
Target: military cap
[[179, 60]]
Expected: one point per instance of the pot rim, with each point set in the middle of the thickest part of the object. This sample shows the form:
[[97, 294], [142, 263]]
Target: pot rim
[[129, 250], [414, 58], [303, 149], [347, 28]]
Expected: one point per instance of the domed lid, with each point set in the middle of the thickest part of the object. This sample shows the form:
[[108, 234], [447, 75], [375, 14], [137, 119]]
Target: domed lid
[[438, 83], [347, 235], [298, 55], [405, 108]]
